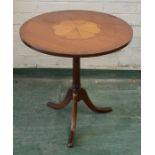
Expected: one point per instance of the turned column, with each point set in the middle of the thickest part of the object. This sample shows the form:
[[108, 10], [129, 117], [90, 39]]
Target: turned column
[[76, 74]]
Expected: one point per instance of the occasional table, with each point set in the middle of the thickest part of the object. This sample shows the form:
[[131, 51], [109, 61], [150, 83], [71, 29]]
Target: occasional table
[[76, 34]]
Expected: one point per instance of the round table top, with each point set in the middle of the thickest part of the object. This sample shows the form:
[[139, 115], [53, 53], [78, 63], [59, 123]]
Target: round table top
[[76, 33]]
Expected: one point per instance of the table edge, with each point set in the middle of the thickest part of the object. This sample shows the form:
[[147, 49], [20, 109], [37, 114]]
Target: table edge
[[54, 53]]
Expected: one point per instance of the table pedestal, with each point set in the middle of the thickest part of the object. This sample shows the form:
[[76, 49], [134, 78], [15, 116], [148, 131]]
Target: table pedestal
[[76, 93]]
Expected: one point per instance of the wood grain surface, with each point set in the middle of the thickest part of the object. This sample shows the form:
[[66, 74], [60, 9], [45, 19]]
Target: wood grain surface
[[76, 33], [76, 29]]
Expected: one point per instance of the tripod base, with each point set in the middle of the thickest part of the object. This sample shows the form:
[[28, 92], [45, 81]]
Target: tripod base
[[75, 96]]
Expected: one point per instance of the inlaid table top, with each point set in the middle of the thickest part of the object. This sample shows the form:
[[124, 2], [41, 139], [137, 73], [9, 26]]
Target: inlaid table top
[[76, 33]]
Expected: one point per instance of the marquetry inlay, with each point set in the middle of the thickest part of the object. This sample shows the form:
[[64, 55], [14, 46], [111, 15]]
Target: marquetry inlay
[[76, 29]]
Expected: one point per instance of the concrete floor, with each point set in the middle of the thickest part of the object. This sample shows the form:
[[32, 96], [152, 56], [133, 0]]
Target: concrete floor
[[39, 130]]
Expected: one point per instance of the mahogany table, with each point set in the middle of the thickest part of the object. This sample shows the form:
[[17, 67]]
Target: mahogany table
[[76, 34]]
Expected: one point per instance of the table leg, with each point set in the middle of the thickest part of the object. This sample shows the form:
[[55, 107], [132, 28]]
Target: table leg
[[84, 96], [76, 93], [73, 121], [62, 104]]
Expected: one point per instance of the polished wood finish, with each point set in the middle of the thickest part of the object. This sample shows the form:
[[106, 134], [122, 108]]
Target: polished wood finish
[[76, 74], [84, 96], [76, 29], [62, 104], [76, 93], [76, 33], [73, 121]]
